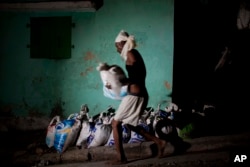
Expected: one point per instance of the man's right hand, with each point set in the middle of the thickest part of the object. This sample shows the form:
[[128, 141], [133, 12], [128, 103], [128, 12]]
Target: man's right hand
[[108, 86]]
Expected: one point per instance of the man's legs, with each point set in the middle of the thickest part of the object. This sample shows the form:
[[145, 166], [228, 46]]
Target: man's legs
[[159, 142], [117, 134]]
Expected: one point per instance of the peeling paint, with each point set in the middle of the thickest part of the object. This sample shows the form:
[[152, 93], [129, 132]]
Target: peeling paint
[[87, 70], [167, 85], [89, 56], [76, 79]]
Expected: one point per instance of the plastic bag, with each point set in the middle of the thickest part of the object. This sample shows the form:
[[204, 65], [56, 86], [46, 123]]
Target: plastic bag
[[110, 93], [72, 135], [51, 131], [66, 133], [62, 131]]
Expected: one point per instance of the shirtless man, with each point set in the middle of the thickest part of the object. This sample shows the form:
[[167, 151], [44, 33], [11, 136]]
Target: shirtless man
[[132, 105]]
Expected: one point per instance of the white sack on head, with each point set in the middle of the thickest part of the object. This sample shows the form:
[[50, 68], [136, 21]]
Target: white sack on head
[[130, 43], [122, 36], [114, 76]]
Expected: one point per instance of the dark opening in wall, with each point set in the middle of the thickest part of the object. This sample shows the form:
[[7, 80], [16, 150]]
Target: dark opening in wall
[[50, 37]]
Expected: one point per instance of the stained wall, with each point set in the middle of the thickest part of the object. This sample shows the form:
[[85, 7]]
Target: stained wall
[[31, 86]]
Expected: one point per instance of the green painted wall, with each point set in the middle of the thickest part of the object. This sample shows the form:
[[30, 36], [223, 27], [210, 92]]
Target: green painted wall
[[33, 86]]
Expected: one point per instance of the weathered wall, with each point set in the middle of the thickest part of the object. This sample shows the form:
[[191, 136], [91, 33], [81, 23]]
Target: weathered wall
[[35, 86]]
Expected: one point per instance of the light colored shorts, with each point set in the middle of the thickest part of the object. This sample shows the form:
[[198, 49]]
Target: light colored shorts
[[130, 109]]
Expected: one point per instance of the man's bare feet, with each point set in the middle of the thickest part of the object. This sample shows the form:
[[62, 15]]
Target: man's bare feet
[[161, 147]]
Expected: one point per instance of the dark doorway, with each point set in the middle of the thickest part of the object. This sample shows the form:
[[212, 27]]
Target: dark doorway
[[204, 29]]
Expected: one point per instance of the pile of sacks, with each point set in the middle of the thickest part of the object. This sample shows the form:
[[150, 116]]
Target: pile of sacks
[[79, 129], [84, 131]]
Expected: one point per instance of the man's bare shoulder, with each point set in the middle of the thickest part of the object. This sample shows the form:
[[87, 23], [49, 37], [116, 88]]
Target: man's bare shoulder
[[130, 58]]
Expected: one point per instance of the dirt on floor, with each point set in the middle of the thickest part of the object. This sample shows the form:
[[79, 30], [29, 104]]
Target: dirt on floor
[[18, 144]]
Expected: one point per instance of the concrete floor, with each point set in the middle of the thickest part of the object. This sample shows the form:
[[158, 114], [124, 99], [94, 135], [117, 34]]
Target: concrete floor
[[204, 151]]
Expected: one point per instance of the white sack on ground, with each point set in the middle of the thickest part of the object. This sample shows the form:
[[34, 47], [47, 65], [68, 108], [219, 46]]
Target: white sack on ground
[[72, 135], [51, 131], [103, 129], [84, 134], [126, 135], [101, 135], [137, 138], [63, 129]]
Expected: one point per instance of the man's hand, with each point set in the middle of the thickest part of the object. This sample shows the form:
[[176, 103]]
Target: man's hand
[[108, 85]]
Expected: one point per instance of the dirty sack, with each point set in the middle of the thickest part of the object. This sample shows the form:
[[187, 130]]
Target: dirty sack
[[126, 135], [51, 131], [66, 134], [115, 77]]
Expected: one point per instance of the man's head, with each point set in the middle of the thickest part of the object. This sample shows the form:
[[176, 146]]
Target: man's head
[[119, 46], [124, 43], [120, 40]]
